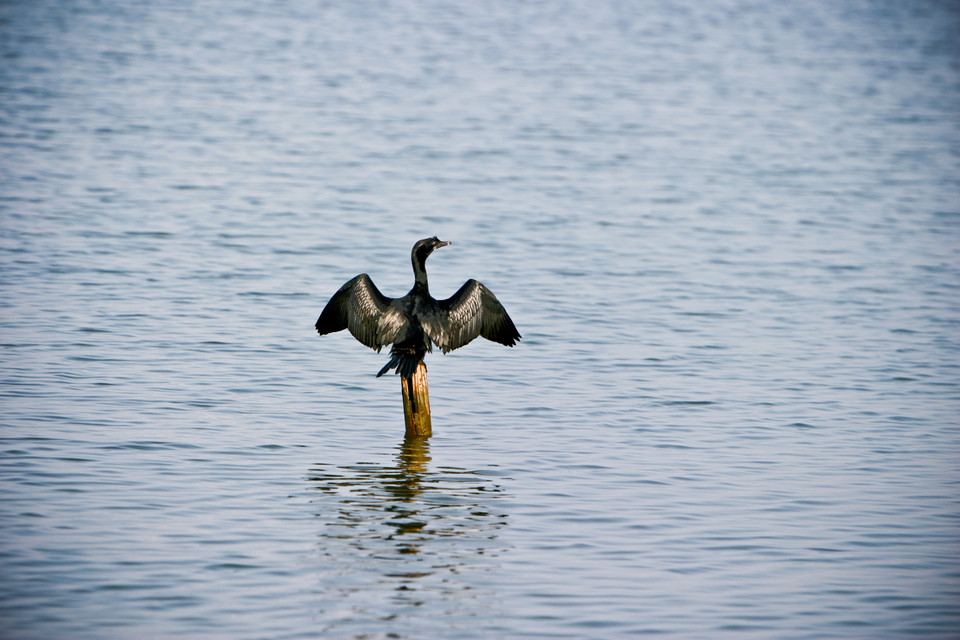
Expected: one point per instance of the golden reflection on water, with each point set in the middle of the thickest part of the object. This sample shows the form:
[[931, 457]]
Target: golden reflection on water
[[404, 534]]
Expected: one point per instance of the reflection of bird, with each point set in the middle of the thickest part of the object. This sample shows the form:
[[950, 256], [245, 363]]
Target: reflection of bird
[[416, 320]]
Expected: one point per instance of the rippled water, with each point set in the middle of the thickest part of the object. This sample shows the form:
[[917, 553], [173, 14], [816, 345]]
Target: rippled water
[[728, 232]]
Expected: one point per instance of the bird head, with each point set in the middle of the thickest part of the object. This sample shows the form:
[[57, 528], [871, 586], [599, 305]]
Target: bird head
[[430, 243], [419, 255], [425, 247]]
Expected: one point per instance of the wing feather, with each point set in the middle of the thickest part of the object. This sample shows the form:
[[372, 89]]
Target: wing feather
[[371, 317], [471, 312]]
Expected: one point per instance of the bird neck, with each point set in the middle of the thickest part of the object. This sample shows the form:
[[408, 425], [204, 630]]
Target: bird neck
[[420, 274]]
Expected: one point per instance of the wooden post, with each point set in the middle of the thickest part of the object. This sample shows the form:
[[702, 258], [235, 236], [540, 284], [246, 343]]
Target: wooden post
[[416, 403]]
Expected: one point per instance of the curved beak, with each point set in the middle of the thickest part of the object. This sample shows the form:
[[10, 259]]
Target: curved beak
[[442, 243]]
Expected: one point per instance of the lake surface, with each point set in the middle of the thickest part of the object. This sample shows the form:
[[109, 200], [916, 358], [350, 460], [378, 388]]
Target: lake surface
[[729, 233]]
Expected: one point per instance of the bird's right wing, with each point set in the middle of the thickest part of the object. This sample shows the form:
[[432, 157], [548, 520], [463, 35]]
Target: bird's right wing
[[360, 307]]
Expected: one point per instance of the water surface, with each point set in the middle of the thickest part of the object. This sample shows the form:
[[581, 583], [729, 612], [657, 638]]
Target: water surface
[[727, 231]]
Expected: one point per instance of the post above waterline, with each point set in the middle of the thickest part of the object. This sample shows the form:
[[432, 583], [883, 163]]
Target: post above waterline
[[416, 403]]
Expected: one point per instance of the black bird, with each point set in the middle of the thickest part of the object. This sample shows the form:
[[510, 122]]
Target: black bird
[[413, 323]]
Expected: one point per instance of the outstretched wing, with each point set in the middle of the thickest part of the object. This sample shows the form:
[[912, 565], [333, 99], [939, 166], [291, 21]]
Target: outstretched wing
[[470, 312], [359, 306]]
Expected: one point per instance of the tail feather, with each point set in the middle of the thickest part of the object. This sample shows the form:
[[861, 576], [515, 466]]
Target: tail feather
[[408, 365], [404, 363], [390, 365]]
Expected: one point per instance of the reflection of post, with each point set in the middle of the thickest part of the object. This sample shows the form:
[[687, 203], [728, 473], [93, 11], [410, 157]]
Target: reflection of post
[[416, 403], [404, 481], [414, 456]]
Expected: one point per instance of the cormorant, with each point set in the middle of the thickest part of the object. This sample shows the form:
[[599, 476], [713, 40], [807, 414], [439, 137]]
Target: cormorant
[[416, 320]]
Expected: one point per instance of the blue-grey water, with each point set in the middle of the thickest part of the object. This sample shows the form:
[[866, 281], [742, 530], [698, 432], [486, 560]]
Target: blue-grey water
[[728, 231]]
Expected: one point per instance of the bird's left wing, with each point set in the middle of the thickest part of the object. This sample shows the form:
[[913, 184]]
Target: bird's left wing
[[470, 312], [359, 306]]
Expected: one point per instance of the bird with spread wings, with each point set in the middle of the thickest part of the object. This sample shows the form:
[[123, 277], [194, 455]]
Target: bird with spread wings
[[417, 321]]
